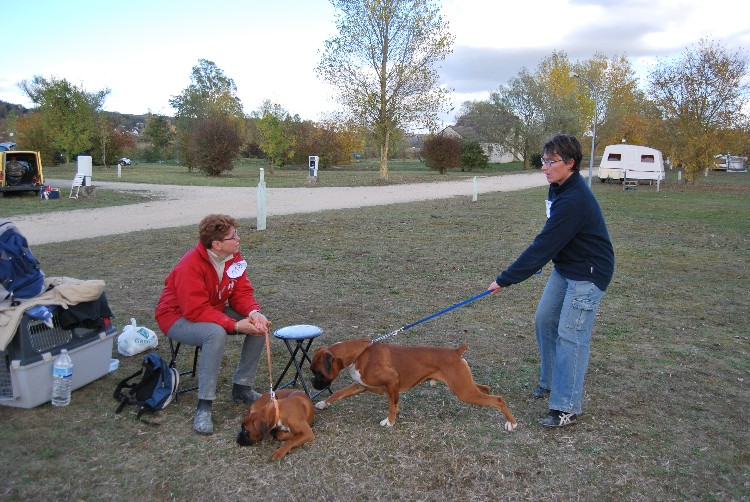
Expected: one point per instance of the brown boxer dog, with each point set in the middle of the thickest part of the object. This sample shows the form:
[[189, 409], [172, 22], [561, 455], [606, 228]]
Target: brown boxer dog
[[390, 369], [289, 420]]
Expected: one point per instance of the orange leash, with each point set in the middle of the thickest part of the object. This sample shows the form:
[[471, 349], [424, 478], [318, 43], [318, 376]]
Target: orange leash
[[270, 373], [270, 381]]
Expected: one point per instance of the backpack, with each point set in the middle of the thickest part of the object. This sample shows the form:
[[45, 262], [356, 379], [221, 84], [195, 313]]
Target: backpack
[[153, 392], [20, 275]]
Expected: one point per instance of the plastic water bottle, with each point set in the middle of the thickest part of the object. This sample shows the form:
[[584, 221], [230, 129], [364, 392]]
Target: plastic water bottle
[[62, 379]]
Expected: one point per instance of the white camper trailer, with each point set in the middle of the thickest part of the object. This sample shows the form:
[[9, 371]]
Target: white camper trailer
[[633, 162]]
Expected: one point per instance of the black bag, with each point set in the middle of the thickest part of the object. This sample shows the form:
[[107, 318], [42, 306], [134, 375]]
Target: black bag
[[153, 392]]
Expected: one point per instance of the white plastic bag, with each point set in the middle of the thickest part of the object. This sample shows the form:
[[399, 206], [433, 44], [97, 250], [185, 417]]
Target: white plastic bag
[[135, 339]]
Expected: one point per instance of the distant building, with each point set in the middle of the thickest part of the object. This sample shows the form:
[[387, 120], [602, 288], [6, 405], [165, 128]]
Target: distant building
[[494, 151]]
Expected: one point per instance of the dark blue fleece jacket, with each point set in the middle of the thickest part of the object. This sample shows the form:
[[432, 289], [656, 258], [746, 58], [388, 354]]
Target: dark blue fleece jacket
[[574, 237]]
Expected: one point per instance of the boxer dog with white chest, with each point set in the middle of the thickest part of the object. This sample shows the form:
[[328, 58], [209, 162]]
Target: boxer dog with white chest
[[390, 369]]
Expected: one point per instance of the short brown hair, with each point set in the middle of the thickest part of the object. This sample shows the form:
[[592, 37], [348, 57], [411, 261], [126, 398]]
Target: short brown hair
[[214, 227], [567, 147]]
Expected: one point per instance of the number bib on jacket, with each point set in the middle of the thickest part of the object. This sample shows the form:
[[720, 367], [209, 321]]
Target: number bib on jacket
[[236, 269]]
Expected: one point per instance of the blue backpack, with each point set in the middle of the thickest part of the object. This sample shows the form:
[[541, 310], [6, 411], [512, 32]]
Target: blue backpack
[[20, 275], [154, 391]]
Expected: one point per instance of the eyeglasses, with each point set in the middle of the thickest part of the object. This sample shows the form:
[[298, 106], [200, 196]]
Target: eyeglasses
[[235, 237], [548, 163]]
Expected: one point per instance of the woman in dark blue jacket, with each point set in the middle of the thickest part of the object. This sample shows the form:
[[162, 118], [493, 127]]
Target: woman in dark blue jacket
[[575, 238]]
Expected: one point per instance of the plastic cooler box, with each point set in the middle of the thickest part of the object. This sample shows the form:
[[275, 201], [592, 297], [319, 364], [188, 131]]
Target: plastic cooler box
[[26, 364]]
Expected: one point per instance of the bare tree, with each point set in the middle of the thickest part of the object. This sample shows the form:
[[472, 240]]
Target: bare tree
[[383, 64]]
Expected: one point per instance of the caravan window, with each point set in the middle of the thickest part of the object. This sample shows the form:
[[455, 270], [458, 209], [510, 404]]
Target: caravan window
[[614, 157], [647, 158]]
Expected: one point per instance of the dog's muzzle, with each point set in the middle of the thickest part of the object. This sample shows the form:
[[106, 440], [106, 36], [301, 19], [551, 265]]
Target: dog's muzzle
[[319, 382], [243, 438]]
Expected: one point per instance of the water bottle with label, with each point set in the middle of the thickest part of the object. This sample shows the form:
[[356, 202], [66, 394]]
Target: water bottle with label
[[62, 379]]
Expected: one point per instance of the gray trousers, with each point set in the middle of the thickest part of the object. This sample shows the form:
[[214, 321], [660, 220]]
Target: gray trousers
[[212, 339]]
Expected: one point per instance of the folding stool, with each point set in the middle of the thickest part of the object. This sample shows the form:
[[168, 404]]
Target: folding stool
[[302, 335], [175, 349]]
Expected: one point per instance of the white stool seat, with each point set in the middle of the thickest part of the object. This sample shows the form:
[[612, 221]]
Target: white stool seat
[[298, 332]]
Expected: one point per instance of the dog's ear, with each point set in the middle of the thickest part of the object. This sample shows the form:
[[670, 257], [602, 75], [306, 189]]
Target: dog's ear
[[257, 428], [328, 362]]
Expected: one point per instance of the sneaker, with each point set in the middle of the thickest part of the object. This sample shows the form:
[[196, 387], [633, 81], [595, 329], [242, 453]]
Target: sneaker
[[202, 422], [243, 394], [540, 393], [558, 419]]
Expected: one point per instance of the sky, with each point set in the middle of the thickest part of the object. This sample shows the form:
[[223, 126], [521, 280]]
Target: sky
[[144, 50]]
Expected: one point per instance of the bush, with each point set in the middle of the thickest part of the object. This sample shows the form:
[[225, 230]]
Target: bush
[[473, 156], [214, 144], [442, 153]]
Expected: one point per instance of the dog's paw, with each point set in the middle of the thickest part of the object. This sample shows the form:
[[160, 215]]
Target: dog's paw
[[322, 405], [510, 427], [386, 423]]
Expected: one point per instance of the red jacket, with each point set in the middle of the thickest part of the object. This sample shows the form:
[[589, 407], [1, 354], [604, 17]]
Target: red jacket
[[192, 290]]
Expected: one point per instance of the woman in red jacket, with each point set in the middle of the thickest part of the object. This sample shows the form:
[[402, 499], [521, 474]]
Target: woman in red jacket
[[206, 297]]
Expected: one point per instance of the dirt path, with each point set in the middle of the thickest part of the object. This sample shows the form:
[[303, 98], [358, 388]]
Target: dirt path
[[188, 205]]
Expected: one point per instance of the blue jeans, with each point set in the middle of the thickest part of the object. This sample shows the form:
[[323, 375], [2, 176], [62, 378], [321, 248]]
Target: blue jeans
[[564, 321], [212, 339]]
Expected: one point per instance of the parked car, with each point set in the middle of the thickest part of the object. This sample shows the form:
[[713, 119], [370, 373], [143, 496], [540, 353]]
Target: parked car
[[20, 171], [125, 161]]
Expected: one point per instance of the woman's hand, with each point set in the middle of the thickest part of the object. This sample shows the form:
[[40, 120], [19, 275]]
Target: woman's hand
[[260, 322], [494, 287], [256, 325]]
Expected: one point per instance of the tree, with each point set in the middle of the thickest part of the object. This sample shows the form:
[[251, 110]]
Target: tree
[[31, 134], [558, 103], [698, 94], [158, 133], [69, 113], [442, 153], [623, 112], [492, 122], [382, 63], [210, 93], [332, 141], [523, 97], [112, 141], [275, 127]]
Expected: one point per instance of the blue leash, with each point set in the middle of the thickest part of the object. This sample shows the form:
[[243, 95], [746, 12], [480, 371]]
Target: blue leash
[[448, 309]]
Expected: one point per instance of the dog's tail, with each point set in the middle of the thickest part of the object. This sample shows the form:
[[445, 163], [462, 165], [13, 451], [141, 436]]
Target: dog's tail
[[460, 350]]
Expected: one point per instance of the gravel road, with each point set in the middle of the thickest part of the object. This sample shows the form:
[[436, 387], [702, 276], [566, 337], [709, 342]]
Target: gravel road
[[182, 205]]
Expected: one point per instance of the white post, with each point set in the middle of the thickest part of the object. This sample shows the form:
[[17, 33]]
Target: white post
[[119, 170], [474, 191], [261, 201], [679, 175]]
